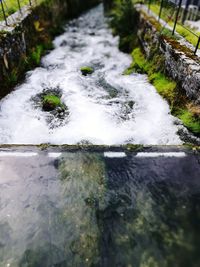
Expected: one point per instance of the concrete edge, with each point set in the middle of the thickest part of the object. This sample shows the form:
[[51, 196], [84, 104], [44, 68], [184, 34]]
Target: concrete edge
[[100, 148]]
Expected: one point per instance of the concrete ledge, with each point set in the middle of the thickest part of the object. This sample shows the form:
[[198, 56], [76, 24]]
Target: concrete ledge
[[99, 148]]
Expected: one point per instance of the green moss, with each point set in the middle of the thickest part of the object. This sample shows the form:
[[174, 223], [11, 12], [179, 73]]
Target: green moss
[[168, 33], [139, 64], [51, 102], [154, 67], [87, 70], [165, 87], [171, 39], [189, 120]]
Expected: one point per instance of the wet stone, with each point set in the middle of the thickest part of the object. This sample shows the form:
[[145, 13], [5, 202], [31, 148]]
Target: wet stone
[[50, 102], [86, 70]]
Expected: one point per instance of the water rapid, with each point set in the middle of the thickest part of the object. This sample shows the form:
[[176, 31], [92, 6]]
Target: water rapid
[[106, 107]]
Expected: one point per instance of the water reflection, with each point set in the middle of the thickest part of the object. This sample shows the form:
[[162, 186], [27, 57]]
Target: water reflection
[[84, 210], [151, 220], [72, 232]]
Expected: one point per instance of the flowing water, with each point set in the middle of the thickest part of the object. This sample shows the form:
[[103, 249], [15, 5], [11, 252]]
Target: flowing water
[[90, 209], [104, 108], [95, 209]]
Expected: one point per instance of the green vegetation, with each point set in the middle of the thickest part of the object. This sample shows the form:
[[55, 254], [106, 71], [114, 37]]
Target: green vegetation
[[168, 33], [187, 35], [123, 21], [180, 106], [12, 77], [164, 86], [87, 70], [190, 120], [154, 67], [51, 102], [12, 6], [26, 62], [139, 65], [168, 16], [36, 54]]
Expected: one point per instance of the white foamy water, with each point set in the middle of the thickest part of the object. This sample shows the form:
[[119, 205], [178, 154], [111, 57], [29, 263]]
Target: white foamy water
[[135, 113]]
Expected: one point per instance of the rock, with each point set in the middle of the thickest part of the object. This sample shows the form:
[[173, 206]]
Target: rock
[[51, 102], [86, 70], [131, 104], [64, 43]]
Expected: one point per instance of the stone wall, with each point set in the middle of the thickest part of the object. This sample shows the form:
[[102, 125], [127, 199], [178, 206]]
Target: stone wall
[[37, 27], [180, 63]]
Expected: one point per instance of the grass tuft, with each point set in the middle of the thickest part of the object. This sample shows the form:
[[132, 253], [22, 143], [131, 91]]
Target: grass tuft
[[36, 55]]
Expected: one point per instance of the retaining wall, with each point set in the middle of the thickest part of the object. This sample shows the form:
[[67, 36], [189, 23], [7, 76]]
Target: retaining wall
[[180, 63], [37, 27]]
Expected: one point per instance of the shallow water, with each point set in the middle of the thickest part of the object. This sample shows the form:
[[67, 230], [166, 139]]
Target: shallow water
[[90, 209], [104, 108]]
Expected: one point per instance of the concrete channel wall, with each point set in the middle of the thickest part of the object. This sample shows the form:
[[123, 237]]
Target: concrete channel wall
[[180, 63], [21, 43]]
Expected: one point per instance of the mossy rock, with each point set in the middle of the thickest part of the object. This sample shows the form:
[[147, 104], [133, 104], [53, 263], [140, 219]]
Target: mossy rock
[[86, 70], [51, 102], [190, 121], [131, 104]]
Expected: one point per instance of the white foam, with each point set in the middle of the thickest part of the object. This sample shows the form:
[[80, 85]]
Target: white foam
[[94, 116], [161, 154], [17, 154], [54, 155], [114, 154]]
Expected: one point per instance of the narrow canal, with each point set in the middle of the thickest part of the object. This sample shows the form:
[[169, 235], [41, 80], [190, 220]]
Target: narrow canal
[[95, 208], [106, 107]]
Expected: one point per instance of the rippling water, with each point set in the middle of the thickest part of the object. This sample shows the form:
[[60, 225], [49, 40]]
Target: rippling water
[[104, 108], [99, 210]]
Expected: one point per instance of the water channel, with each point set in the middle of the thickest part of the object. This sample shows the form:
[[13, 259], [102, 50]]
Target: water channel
[[93, 208], [106, 107]]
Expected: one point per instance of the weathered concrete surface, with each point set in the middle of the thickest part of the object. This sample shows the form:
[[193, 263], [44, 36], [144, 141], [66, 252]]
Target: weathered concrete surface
[[100, 208]]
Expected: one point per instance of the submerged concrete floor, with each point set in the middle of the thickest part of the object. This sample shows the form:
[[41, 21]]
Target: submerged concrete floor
[[98, 206]]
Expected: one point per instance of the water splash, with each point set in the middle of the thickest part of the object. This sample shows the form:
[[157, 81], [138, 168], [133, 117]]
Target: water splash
[[105, 108]]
